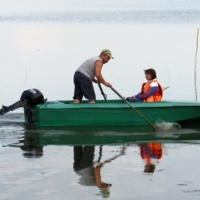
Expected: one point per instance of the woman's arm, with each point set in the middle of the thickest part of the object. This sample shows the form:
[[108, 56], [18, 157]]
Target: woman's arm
[[148, 93]]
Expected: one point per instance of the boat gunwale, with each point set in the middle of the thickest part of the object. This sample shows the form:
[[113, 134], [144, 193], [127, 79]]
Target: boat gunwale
[[114, 105]]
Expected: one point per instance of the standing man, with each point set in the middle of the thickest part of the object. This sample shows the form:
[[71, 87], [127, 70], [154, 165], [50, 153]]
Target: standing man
[[86, 73]]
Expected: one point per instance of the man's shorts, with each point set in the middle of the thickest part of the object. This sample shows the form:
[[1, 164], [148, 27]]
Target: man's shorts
[[83, 87]]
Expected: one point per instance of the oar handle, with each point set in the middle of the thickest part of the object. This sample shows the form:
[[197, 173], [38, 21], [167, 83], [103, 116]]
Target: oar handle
[[134, 108]]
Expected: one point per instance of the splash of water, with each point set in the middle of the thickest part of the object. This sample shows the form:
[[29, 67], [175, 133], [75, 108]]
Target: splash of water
[[166, 126]]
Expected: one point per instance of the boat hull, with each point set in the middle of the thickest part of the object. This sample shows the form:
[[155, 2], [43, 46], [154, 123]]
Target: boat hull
[[109, 113]]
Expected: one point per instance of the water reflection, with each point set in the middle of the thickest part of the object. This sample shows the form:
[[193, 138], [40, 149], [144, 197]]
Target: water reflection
[[151, 152], [84, 164], [28, 147], [32, 152], [105, 161], [90, 170]]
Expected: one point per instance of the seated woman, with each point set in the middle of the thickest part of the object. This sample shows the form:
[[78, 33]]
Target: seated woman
[[151, 91]]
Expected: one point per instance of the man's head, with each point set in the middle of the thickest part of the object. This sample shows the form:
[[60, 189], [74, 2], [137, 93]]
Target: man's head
[[106, 55]]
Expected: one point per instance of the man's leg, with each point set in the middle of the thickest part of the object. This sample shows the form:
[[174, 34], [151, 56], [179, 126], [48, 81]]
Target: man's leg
[[78, 95], [88, 92], [76, 101], [86, 87]]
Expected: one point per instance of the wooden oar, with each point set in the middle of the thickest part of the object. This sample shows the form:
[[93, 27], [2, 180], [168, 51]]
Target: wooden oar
[[104, 95], [134, 108]]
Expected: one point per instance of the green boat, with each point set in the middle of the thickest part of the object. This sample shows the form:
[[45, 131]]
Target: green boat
[[109, 113]]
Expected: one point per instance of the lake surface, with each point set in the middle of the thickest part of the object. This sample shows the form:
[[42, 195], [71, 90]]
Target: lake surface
[[95, 163], [43, 43]]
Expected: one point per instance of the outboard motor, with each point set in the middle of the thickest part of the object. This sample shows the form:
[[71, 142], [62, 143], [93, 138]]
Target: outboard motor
[[31, 98]]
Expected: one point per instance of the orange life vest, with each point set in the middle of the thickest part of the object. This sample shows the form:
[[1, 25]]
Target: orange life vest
[[155, 149], [157, 96]]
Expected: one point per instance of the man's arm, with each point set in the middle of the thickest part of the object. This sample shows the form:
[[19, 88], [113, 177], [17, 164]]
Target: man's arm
[[100, 78]]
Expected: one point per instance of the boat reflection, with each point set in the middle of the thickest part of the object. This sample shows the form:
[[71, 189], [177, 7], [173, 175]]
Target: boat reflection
[[33, 138], [82, 136]]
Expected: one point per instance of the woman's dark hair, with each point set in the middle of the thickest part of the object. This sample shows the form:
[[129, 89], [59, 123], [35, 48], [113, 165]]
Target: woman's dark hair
[[152, 72]]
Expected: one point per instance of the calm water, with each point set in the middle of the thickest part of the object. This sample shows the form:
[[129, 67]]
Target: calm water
[[43, 43], [73, 163]]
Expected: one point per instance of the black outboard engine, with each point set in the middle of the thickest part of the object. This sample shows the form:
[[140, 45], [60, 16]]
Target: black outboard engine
[[31, 98]]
